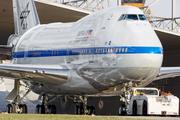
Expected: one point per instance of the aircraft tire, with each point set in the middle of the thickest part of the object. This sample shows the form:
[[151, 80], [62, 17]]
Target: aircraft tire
[[24, 108], [49, 108], [21, 108], [41, 109], [134, 108], [92, 109], [8, 108], [37, 109], [77, 108], [53, 109], [11, 108], [81, 110], [89, 110]]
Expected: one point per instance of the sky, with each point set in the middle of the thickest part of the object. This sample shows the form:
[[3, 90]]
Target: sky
[[164, 8]]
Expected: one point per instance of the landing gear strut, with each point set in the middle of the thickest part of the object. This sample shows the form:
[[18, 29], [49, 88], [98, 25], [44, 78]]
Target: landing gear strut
[[16, 107], [45, 108], [81, 107]]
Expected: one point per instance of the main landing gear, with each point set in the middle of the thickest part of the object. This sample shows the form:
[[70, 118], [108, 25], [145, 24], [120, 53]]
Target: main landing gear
[[44, 108], [22, 108], [82, 107], [16, 107]]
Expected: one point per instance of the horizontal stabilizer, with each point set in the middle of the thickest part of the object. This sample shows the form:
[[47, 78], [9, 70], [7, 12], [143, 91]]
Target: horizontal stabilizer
[[5, 52], [5, 49]]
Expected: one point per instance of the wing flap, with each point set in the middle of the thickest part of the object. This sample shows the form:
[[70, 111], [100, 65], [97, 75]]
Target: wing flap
[[52, 74]]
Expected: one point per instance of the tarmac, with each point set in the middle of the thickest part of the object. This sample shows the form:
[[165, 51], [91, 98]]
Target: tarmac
[[152, 117]]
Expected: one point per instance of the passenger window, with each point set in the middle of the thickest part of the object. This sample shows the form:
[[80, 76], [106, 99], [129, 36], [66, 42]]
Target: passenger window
[[116, 49], [142, 17], [126, 49], [122, 49], [119, 49], [132, 17]]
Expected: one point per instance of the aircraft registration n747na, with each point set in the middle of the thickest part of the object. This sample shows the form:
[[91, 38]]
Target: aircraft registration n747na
[[100, 51]]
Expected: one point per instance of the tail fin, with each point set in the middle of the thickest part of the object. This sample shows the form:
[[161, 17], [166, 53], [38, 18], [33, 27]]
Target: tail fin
[[25, 15]]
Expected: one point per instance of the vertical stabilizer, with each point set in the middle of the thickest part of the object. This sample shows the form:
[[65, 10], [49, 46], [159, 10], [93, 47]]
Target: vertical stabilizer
[[25, 15]]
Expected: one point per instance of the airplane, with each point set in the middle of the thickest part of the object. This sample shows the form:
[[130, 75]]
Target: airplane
[[99, 52]]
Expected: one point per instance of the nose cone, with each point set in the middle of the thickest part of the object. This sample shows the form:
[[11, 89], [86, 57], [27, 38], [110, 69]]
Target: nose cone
[[137, 33], [145, 54]]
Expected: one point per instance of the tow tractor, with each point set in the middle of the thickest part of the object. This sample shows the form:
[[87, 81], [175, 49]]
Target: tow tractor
[[147, 101]]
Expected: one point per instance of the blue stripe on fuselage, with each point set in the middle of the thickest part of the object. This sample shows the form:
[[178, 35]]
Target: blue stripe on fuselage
[[90, 51]]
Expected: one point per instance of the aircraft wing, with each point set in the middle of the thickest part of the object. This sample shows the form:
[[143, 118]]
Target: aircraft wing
[[168, 72], [52, 74]]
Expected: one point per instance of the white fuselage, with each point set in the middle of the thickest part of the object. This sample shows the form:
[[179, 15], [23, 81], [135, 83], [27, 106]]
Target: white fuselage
[[100, 50]]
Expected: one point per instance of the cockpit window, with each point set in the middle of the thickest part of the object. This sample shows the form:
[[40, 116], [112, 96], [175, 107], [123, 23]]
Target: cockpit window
[[123, 17], [138, 1], [132, 17], [142, 17], [128, 1]]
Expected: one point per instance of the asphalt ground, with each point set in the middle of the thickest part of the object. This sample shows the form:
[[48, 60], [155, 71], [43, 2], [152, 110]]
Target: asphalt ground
[[151, 117]]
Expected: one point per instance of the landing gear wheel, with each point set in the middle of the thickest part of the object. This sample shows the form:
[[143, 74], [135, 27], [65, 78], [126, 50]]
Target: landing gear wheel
[[144, 108], [8, 108], [89, 110], [37, 109], [76, 111], [134, 108], [79, 110], [24, 110], [53, 109], [49, 108], [41, 109], [11, 108], [21, 108], [122, 109], [92, 109]]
